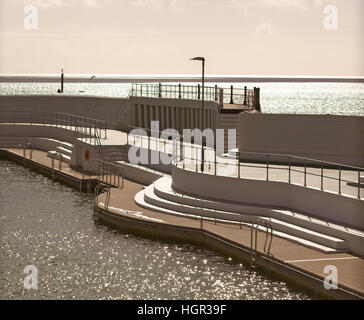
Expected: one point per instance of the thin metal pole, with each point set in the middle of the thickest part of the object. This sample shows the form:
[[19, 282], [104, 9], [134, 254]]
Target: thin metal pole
[[289, 169], [215, 160], [202, 157], [340, 180], [359, 184], [203, 93], [183, 156], [238, 165], [196, 159], [305, 178]]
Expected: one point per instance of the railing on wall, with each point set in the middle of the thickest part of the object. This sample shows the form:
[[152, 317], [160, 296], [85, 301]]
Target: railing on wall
[[110, 174], [321, 175], [86, 127], [243, 97]]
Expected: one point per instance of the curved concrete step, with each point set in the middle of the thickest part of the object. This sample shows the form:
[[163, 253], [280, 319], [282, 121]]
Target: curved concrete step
[[64, 151], [322, 239], [140, 199], [163, 189], [151, 198]]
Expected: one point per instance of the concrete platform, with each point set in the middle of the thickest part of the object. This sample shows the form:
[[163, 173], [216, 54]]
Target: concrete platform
[[303, 259], [291, 261]]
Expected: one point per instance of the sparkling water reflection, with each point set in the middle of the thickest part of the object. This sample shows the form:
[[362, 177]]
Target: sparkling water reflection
[[51, 226]]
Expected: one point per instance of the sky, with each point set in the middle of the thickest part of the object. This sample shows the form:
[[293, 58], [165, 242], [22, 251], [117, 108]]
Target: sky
[[237, 37]]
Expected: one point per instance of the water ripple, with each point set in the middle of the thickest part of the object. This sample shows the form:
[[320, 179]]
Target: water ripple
[[50, 226]]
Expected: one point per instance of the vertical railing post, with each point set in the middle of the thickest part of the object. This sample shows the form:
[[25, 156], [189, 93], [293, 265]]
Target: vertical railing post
[[339, 180], [244, 95], [196, 158], [238, 153], [183, 155], [221, 97], [254, 97], [118, 177], [60, 162], [231, 95], [215, 160], [289, 169], [198, 92], [358, 183], [215, 92], [160, 90], [114, 174], [179, 91], [305, 177], [257, 99]]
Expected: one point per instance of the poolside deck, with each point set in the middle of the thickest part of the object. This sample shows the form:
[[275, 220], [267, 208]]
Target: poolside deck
[[310, 262]]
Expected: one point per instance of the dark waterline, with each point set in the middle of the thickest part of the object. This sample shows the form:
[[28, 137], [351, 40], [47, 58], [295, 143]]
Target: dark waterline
[[51, 226]]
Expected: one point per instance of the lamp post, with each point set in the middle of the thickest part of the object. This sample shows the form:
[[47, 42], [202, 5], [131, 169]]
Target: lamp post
[[202, 59]]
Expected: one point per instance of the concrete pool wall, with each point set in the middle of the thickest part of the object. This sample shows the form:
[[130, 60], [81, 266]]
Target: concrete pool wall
[[330, 138]]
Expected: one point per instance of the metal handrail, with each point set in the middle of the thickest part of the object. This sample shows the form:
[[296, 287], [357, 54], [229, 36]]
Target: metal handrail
[[126, 99], [253, 241], [246, 97], [269, 235], [57, 119], [98, 143], [100, 187], [269, 164], [115, 170]]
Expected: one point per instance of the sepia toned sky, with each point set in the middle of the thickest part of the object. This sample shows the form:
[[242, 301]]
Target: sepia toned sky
[[237, 37]]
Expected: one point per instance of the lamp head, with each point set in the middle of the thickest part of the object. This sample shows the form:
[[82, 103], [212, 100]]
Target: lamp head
[[198, 59]]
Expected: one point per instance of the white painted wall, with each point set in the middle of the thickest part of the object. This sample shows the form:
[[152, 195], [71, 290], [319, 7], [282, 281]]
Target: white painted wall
[[172, 113], [327, 206], [325, 137], [19, 130], [101, 108]]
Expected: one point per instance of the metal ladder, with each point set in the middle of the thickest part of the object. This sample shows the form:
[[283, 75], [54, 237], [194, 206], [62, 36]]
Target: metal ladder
[[254, 239], [100, 187]]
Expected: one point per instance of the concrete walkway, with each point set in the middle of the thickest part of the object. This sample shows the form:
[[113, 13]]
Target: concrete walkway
[[350, 268], [334, 180]]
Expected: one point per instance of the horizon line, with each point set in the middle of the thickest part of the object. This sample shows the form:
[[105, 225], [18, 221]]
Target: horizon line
[[97, 78]]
